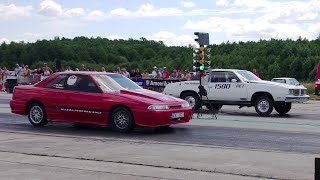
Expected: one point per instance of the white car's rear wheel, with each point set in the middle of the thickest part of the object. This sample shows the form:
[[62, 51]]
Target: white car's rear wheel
[[264, 105]]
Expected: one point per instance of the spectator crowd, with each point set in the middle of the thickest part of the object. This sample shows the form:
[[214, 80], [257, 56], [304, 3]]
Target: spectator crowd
[[25, 75]]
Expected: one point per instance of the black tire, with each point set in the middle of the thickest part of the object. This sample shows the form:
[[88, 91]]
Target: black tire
[[37, 115], [263, 105], [192, 98], [283, 108], [122, 120], [214, 106]]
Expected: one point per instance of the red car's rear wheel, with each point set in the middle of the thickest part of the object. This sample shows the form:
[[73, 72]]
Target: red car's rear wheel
[[37, 115]]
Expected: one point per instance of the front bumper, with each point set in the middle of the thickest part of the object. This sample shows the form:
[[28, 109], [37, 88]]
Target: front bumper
[[154, 118], [297, 99]]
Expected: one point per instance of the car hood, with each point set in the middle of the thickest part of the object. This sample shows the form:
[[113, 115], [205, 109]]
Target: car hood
[[151, 96], [277, 84]]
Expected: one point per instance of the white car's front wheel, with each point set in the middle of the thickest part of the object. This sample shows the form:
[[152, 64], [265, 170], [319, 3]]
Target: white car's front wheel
[[193, 99], [283, 108], [263, 105]]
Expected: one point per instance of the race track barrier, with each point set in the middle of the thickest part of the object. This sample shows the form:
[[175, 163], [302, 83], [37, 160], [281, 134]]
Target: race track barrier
[[157, 85]]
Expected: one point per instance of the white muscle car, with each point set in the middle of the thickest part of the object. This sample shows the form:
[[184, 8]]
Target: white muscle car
[[239, 87]]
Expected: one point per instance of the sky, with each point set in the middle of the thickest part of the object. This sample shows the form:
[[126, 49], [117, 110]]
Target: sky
[[171, 21]]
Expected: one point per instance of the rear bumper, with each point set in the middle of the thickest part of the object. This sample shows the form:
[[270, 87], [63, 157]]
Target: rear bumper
[[17, 107], [155, 118], [297, 99]]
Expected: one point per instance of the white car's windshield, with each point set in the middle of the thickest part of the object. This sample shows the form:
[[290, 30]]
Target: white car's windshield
[[248, 75], [294, 82], [115, 82], [290, 81]]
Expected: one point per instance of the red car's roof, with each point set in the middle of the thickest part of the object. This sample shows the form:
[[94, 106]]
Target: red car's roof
[[84, 72]]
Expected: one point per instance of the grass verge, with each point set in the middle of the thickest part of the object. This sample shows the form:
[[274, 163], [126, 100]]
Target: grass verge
[[310, 90]]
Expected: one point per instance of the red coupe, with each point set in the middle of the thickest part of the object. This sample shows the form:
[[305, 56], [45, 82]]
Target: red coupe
[[97, 98]]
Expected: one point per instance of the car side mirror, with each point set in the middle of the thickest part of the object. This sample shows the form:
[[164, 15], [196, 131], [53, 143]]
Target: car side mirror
[[234, 80]]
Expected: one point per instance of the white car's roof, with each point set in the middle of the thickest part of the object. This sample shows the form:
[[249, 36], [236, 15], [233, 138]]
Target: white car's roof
[[228, 70], [283, 78]]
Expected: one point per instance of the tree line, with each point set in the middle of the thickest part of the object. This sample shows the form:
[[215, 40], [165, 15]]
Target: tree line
[[272, 58]]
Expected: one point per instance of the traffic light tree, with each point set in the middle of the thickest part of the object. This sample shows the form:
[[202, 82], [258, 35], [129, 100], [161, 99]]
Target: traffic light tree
[[201, 61]]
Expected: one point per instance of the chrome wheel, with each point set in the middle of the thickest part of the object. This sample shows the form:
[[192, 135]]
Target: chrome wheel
[[36, 114], [191, 100], [263, 105], [122, 119]]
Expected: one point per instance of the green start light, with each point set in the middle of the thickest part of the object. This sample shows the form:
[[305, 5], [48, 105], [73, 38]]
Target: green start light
[[202, 67]]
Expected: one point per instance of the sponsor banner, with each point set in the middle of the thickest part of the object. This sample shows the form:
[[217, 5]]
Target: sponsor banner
[[140, 82], [154, 84], [158, 83]]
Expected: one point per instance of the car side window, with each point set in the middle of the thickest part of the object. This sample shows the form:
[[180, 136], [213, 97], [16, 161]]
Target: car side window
[[218, 77], [222, 76], [57, 83], [81, 83], [230, 76]]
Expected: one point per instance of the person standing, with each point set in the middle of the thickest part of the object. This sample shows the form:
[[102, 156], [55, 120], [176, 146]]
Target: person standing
[[17, 70], [165, 74], [254, 71], [154, 72], [83, 68], [174, 74], [138, 74], [68, 69], [187, 75], [145, 74], [133, 73], [47, 71], [125, 73], [5, 73]]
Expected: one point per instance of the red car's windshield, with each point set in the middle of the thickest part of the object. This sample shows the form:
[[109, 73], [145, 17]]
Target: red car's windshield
[[115, 82]]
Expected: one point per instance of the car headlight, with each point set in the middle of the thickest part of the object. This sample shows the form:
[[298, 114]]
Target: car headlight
[[158, 107], [185, 105], [291, 91]]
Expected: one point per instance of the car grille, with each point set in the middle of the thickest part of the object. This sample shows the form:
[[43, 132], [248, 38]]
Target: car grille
[[296, 92]]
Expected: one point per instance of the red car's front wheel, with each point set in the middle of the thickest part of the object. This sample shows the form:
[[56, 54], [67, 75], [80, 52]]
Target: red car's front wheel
[[122, 120]]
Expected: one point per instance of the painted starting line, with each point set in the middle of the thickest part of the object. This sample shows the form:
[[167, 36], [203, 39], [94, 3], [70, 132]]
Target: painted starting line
[[262, 122]]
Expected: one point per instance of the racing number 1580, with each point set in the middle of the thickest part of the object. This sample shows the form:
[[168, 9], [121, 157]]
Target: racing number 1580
[[222, 86]]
